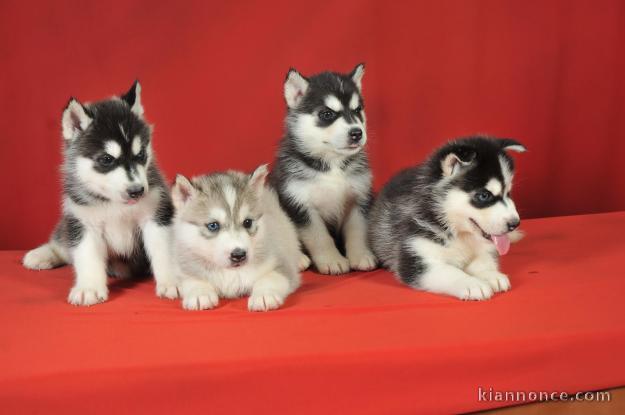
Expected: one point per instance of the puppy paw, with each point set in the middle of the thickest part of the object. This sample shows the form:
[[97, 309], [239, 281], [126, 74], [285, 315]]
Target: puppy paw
[[86, 296], [332, 264], [304, 262], [167, 290], [471, 288], [264, 301], [200, 299], [363, 261], [41, 258], [498, 281]]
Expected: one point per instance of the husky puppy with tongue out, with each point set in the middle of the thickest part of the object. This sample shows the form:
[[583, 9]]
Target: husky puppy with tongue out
[[441, 226]]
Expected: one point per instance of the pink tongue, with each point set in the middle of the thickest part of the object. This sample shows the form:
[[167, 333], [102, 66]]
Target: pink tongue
[[502, 243]]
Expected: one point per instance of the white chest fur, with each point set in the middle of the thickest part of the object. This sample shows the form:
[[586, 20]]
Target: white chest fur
[[328, 192], [118, 225], [233, 283], [229, 282]]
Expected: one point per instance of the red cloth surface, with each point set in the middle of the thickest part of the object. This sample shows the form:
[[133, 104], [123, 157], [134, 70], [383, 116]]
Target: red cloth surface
[[361, 343], [550, 73]]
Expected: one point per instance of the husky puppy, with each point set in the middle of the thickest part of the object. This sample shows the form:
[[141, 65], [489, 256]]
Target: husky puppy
[[231, 238], [116, 206], [322, 173], [440, 226]]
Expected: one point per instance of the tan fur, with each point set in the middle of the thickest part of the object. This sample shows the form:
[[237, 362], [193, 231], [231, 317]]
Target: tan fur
[[271, 271]]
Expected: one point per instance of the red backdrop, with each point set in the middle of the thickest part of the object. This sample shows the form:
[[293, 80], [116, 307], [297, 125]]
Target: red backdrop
[[550, 73]]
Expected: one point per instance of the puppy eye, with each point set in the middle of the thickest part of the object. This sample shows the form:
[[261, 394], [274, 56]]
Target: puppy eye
[[247, 223], [105, 160], [327, 114], [141, 156], [483, 196], [358, 109], [213, 226]]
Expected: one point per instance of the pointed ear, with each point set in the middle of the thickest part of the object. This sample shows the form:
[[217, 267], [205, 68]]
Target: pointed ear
[[258, 178], [75, 119], [295, 87], [133, 99], [453, 162], [181, 191], [357, 75], [508, 144]]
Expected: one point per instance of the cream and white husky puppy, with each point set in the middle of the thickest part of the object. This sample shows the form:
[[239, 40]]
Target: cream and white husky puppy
[[231, 238]]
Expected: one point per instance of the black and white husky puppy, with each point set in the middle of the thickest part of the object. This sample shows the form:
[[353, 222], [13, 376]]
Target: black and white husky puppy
[[117, 210], [440, 226], [322, 173], [232, 238]]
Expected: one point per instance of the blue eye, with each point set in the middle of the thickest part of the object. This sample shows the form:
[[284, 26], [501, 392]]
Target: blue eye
[[213, 226], [483, 196]]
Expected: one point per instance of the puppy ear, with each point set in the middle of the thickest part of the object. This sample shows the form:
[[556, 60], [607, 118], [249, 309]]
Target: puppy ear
[[181, 191], [295, 87], [133, 99], [357, 74], [259, 177], [453, 162], [75, 119], [508, 144]]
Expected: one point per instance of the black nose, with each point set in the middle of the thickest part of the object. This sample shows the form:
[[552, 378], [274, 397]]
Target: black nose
[[355, 134], [513, 225], [237, 255], [135, 192]]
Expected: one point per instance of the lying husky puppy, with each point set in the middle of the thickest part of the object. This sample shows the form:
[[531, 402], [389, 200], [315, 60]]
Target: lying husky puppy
[[440, 226], [116, 206], [231, 238], [321, 173]]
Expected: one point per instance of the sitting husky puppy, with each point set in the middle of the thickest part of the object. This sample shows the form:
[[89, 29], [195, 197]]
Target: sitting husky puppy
[[116, 207], [321, 173], [232, 238], [441, 225]]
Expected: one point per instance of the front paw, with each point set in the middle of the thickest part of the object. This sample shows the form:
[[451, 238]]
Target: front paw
[[264, 301], [86, 296], [332, 264], [304, 262], [498, 281], [471, 288], [41, 258], [200, 299], [363, 261], [167, 290]]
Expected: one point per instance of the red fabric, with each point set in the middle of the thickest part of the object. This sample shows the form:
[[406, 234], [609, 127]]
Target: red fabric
[[550, 73], [361, 343]]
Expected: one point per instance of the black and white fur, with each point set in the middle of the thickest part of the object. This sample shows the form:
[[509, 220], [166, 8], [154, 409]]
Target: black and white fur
[[322, 173], [434, 225], [117, 210]]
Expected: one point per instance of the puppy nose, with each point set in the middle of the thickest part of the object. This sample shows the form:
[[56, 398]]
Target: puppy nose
[[512, 225], [355, 134], [237, 255], [135, 191]]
